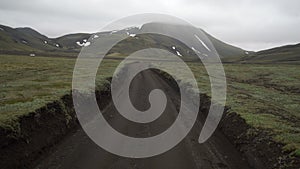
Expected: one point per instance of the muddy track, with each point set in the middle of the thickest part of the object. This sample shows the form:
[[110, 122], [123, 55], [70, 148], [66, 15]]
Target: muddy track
[[217, 152]]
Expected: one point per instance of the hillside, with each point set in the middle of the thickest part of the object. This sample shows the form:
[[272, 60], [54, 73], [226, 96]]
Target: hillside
[[27, 40], [288, 53], [225, 50]]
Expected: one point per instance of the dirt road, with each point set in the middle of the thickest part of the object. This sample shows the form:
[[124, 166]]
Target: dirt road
[[77, 151]]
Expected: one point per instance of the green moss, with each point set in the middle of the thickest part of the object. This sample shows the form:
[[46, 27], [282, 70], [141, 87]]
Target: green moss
[[28, 83], [297, 152]]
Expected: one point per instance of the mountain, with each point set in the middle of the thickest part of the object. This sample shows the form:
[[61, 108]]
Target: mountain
[[288, 53], [230, 53], [72, 41], [27, 40], [225, 50]]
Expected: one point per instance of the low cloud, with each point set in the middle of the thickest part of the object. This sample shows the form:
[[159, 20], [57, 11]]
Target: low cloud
[[250, 24]]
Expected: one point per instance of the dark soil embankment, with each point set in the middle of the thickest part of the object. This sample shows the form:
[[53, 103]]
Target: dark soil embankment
[[39, 131], [257, 145]]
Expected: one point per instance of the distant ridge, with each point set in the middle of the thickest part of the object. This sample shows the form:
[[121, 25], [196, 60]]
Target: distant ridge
[[287, 53]]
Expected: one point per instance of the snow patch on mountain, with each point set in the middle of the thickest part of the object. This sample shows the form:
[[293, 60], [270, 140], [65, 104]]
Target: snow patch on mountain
[[178, 53], [197, 51], [83, 43], [202, 42], [87, 44], [114, 31]]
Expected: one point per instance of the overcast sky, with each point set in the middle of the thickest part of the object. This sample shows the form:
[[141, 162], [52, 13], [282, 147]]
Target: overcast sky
[[249, 24]]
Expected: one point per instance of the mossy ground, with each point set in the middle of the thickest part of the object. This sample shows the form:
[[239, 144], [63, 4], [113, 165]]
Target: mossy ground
[[28, 83]]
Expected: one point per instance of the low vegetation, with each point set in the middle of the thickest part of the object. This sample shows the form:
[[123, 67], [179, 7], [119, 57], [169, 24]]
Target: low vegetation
[[28, 83]]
